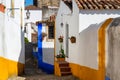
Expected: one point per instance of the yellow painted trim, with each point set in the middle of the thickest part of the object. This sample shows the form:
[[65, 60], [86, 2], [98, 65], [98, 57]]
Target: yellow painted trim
[[2, 8], [3, 69], [83, 73], [57, 69], [9, 68], [56, 65], [101, 46]]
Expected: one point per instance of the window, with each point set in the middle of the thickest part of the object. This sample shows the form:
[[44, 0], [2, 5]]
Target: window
[[35, 2], [51, 32], [12, 8]]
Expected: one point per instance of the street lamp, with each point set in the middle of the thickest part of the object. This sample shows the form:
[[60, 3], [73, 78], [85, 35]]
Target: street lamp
[[28, 14]]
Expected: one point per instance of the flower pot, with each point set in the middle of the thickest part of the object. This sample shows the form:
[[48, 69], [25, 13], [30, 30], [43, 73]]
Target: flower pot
[[60, 40], [60, 59], [73, 39]]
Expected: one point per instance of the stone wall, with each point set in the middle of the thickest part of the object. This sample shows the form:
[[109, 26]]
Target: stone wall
[[113, 64], [41, 3]]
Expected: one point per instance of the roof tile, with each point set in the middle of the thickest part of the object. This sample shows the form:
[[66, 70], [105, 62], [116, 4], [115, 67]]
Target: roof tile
[[31, 7], [98, 4]]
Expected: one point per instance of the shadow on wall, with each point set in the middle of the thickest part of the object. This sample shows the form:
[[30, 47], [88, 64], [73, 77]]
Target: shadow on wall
[[113, 65], [48, 55], [20, 65], [99, 12]]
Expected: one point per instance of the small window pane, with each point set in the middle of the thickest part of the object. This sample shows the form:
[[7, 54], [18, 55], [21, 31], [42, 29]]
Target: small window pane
[[51, 32]]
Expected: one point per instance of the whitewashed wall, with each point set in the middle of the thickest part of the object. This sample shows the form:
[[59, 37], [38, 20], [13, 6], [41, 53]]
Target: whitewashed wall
[[35, 15], [60, 30], [1, 34], [48, 55], [13, 35], [88, 48], [85, 27], [66, 16], [88, 17], [74, 31], [77, 51], [78, 27]]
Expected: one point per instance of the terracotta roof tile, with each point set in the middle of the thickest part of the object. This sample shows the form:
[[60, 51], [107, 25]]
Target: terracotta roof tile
[[31, 7], [98, 4]]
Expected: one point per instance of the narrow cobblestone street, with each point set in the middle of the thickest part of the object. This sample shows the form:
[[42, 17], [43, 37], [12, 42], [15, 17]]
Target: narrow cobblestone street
[[39, 75], [31, 72]]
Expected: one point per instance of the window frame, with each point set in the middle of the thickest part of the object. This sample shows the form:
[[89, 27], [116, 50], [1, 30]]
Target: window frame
[[49, 39]]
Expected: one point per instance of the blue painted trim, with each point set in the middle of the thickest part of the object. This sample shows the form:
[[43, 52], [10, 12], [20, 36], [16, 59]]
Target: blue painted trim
[[48, 68], [40, 41], [107, 78]]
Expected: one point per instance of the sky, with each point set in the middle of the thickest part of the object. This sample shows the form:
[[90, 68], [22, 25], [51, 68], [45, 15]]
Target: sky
[[28, 2]]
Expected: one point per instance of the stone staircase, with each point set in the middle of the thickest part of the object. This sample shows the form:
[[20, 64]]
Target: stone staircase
[[65, 70]]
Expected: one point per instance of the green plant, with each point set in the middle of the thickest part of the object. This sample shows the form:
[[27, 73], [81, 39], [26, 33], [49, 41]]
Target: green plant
[[61, 53], [26, 40], [60, 39]]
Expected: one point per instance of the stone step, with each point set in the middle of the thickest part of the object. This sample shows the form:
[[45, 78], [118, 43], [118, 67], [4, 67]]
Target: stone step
[[63, 64], [66, 73], [65, 69]]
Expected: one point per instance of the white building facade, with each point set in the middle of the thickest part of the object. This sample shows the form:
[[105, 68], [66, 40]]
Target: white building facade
[[84, 22], [12, 57]]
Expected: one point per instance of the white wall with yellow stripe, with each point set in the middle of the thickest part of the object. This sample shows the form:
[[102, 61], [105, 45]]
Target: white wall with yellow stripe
[[99, 49], [12, 57], [91, 61], [90, 56]]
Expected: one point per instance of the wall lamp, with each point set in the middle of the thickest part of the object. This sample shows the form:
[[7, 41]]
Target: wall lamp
[[61, 24], [28, 14]]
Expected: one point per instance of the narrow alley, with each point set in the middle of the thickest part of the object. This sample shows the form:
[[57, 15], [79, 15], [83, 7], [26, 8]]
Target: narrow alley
[[59, 39], [31, 71]]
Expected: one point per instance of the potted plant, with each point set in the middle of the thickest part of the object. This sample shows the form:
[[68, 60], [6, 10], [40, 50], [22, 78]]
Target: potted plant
[[61, 55], [73, 39], [60, 39]]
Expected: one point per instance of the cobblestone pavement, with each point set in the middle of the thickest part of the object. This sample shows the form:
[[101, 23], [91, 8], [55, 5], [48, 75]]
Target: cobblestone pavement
[[37, 74], [31, 72], [50, 77]]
